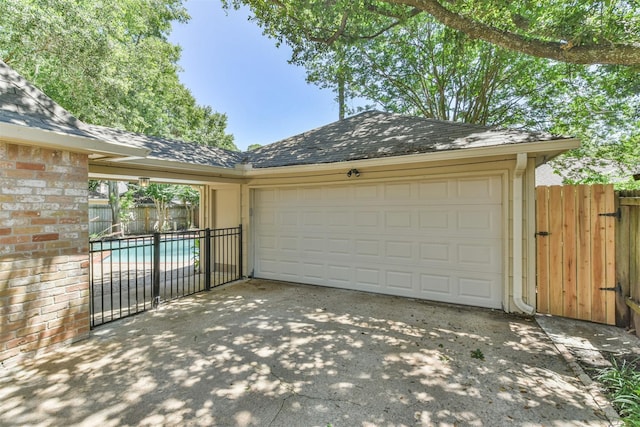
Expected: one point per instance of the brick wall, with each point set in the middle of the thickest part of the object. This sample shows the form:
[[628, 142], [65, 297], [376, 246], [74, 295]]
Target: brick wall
[[44, 277]]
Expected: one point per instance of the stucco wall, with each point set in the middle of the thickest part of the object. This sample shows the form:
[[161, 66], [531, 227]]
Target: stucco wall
[[44, 280]]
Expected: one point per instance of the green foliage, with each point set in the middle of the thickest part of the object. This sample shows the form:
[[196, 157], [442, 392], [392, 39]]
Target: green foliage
[[109, 63], [424, 68], [580, 32], [190, 198], [406, 61], [164, 195], [623, 382]]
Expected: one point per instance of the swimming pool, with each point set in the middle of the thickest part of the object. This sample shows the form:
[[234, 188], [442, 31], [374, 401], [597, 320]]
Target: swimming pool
[[140, 250]]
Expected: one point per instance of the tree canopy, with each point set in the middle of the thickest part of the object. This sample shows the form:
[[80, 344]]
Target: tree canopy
[[109, 63], [555, 67], [586, 32]]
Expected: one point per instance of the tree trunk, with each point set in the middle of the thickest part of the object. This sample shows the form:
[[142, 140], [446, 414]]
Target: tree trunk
[[114, 204]]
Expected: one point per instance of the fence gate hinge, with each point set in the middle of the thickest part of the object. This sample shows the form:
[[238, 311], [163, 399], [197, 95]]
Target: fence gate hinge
[[542, 233], [617, 214], [617, 288]]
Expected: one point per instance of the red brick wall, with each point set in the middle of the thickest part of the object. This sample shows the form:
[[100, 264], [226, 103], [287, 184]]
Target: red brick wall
[[44, 276]]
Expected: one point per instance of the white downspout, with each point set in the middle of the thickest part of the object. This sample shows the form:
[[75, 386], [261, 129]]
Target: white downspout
[[521, 166]]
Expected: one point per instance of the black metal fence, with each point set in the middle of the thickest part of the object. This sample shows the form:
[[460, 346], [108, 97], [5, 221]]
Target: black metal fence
[[133, 274]]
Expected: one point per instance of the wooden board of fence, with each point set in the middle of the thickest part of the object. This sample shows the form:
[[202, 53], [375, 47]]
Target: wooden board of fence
[[576, 247], [628, 260]]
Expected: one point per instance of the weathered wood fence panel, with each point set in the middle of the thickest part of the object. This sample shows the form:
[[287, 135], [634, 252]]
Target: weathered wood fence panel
[[141, 219], [628, 260], [576, 252]]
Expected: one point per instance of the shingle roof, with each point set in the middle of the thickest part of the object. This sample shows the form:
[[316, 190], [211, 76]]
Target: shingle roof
[[23, 104], [374, 134], [167, 149], [368, 135]]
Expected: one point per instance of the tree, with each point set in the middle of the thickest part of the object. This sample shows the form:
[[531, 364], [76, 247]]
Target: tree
[[162, 195], [109, 63], [190, 198], [426, 69], [405, 61], [588, 32]]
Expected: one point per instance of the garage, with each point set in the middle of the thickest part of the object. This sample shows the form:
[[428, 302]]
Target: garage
[[437, 239]]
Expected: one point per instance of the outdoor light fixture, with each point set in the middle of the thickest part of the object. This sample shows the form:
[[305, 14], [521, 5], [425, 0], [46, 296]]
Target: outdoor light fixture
[[143, 181], [353, 172]]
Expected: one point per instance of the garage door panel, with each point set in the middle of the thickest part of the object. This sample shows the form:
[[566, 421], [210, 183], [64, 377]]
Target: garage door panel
[[436, 191], [397, 219], [367, 248], [481, 257], [367, 220], [434, 220], [400, 250], [339, 275], [312, 270], [475, 287], [436, 284], [428, 239], [266, 242], [399, 279], [313, 245], [288, 195], [338, 193], [400, 191], [367, 193], [339, 247], [339, 218], [367, 278], [483, 190], [436, 252], [288, 218]]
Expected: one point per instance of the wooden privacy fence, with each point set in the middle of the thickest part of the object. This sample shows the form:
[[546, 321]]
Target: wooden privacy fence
[[576, 252], [140, 220], [628, 259]]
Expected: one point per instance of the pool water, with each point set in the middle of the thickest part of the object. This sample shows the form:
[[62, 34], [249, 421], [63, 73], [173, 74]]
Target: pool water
[[141, 250]]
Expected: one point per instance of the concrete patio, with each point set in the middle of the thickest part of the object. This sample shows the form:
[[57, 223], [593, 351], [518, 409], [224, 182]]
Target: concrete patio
[[276, 354]]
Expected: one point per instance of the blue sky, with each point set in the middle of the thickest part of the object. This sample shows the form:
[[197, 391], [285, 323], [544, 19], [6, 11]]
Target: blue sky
[[229, 65]]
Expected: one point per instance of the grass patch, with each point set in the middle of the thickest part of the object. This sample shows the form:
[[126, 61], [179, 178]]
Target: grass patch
[[622, 380]]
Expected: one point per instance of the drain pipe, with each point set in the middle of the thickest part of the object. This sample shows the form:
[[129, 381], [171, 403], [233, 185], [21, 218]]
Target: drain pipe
[[521, 166]]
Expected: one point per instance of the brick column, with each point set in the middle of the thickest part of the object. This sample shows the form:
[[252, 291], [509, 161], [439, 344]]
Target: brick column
[[44, 253]]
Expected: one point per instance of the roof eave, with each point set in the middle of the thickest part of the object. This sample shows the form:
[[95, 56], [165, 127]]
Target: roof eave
[[175, 166], [542, 150], [65, 141]]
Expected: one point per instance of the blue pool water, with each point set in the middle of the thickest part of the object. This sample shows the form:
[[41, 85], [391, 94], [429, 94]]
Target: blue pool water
[[141, 250]]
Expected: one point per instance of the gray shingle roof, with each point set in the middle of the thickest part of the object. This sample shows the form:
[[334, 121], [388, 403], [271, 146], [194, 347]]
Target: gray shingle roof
[[167, 149], [368, 135], [374, 134], [23, 104]]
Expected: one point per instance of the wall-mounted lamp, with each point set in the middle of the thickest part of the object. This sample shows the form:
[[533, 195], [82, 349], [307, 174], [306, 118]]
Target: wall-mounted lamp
[[143, 181], [353, 172]]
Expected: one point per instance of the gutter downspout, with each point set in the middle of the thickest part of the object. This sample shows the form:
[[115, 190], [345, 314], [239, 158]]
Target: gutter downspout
[[521, 166]]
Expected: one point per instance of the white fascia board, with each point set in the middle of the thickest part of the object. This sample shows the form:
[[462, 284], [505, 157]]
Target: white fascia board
[[172, 165], [64, 141], [550, 147]]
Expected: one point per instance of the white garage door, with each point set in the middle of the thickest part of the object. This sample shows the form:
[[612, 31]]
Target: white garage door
[[434, 239]]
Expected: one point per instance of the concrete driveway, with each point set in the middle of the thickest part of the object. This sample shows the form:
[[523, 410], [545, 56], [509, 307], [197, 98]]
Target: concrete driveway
[[274, 354]]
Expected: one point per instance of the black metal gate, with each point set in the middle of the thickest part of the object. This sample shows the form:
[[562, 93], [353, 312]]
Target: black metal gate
[[133, 274]]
